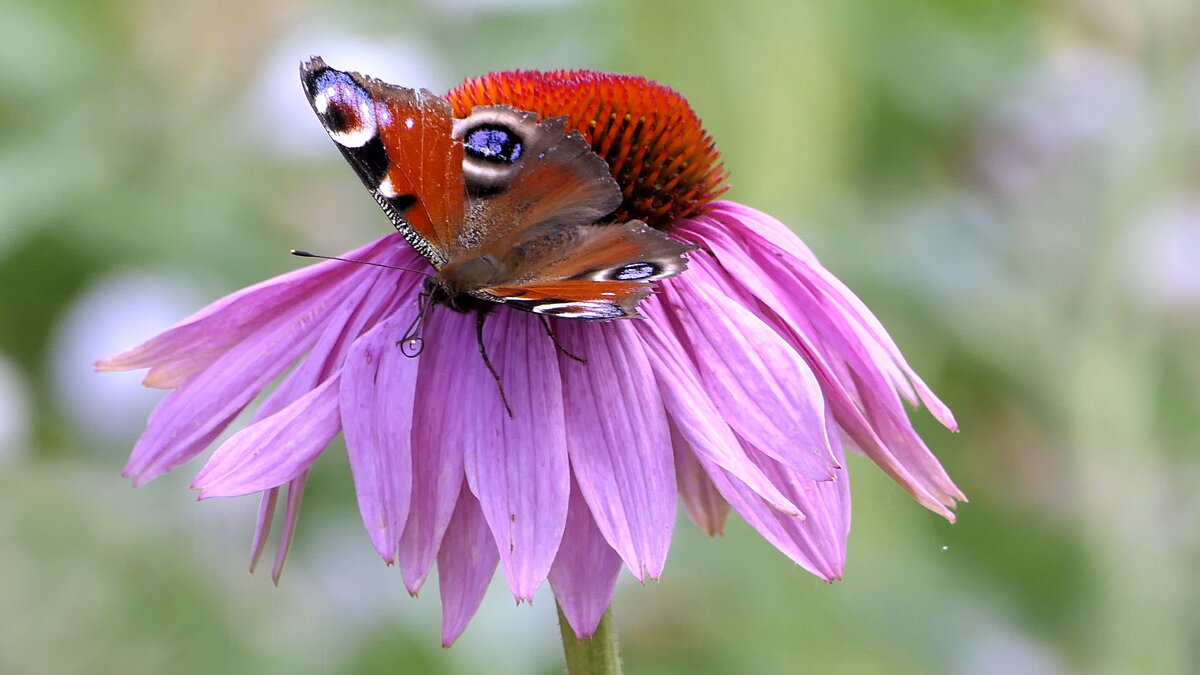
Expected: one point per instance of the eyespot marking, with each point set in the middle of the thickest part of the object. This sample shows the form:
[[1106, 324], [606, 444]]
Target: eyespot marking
[[635, 271], [493, 143], [344, 108]]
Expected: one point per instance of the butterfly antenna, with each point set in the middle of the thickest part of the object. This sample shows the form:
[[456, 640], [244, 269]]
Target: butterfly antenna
[[480, 318], [554, 338], [305, 254], [412, 344]]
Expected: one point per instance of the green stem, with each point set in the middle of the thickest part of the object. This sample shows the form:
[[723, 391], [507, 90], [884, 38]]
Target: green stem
[[597, 655]]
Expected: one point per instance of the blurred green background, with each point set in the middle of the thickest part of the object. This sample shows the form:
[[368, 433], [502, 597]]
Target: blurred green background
[[1014, 187]]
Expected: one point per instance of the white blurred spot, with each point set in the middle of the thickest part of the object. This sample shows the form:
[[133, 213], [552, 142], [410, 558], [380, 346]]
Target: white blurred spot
[[1079, 98], [280, 118], [1000, 650], [113, 314], [1162, 262]]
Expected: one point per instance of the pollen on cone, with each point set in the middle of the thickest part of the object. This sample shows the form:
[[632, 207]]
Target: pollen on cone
[[666, 164]]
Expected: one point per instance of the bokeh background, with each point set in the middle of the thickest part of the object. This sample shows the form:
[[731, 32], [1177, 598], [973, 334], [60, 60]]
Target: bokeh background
[[1013, 186]]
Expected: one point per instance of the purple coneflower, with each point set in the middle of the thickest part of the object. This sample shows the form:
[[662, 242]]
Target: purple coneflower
[[738, 390]]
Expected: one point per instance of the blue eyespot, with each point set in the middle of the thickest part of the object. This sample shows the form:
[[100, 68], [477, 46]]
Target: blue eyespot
[[635, 271], [343, 105], [493, 143]]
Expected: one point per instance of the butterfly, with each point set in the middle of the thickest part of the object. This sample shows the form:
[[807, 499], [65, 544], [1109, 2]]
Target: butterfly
[[508, 208]]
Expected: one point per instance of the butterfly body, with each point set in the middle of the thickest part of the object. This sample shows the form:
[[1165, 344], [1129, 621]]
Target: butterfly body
[[509, 209]]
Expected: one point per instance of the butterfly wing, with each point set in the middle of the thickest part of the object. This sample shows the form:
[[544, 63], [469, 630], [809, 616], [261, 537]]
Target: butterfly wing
[[505, 205], [400, 142], [531, 237], [587, 271]]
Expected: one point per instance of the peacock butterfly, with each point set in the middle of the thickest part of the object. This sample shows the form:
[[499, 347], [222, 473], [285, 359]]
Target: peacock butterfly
[[507, 207]]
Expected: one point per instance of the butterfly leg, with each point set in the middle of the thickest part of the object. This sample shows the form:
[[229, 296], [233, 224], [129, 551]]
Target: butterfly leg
[[480, 317], [412, 344], [554, 338]]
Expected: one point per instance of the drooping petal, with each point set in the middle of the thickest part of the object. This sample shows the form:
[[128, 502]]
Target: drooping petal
[[858, 389], [701, 499], [618, 440], [439, 416], [762, 233], [273, 451], [816, 543], [198, 341], [262, 525], [516, 466], [291, 516], [691, 411], [192, 416], [585, 571], [761, 387], [379, 386], [466, 562]]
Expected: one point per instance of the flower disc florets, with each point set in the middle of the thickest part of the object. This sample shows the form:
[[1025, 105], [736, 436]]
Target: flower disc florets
[[666, 164]]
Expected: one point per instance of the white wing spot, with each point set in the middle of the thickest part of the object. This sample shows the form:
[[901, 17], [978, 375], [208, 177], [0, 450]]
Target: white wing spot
[[409, 122], [386, 189], [353, 138], [587, 309], [321, 101]]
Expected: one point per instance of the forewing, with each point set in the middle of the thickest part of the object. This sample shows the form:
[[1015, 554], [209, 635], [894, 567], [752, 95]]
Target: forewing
[[400, 142]]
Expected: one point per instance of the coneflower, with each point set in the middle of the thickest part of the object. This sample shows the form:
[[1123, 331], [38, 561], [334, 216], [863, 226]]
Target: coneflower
[[736, 391]]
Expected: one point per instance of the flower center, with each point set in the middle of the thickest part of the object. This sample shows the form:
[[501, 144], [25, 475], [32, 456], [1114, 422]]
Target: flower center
[[666, 164]]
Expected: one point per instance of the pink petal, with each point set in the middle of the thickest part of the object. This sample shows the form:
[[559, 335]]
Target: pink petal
[[466, 563], [379, 293], [767, 234], [758, 382], [872, 416], [585, 571], [517, 467], [816, 543], [437, 459], [377, 415], [619, 443], [262, 526], [291, 516], [190, 417], [271, 452], [198, 341], [692, 413], [701, 499]]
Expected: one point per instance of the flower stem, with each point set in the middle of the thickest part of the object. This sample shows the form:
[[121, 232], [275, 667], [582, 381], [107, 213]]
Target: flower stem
[[597, 655]]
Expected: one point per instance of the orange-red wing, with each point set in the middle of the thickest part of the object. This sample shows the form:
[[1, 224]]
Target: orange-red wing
[[400, 142], [425, 160]]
